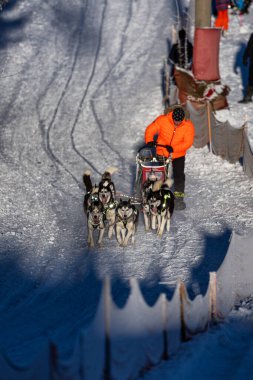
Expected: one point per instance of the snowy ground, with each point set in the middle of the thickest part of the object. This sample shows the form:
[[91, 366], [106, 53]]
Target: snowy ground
[[79, 84]]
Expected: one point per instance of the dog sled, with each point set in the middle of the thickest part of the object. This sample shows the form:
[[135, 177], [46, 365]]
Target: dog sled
[[105, 208], [147, 165]]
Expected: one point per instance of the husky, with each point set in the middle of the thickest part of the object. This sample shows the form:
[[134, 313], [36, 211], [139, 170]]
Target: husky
[[106, 186], [104, 193], [145, 191], [161, 206], [149, 189], [107, 196], [95, 219], [91, 191], [126, 221]]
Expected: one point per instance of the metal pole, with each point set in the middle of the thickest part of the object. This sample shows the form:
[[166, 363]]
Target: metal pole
[[203, 13]]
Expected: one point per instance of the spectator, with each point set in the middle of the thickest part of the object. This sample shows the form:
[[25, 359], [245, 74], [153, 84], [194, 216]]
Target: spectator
[[248, 59], [182, 51], [246, 5], [222, 14]]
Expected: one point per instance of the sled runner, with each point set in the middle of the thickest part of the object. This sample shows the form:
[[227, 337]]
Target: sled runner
[[147, 164]]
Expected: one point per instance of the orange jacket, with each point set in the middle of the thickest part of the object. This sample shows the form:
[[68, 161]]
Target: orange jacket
[[180, 137]]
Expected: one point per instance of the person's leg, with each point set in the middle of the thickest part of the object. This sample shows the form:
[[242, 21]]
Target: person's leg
[[178, 165], [245, 8], [218, 20], [249, 90], [250, 78], [225, 19]]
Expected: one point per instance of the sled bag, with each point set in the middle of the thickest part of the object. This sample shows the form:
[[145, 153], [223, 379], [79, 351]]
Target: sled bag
[[159, 171], [206, 54]]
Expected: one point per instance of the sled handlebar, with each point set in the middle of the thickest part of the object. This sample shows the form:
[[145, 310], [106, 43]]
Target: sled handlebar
[[146, 146]]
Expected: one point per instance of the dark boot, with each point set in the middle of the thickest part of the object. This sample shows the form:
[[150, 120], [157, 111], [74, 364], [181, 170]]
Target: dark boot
[[179, 201], [248, 97]]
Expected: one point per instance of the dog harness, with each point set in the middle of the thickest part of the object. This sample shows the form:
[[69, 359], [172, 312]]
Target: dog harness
[[111, 205], [125, 220], [166, 197]]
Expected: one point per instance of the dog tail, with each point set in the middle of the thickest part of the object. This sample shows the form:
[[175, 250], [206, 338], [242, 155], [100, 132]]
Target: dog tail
[[87, 181], [169, 182], [157, 185], [109, 171]]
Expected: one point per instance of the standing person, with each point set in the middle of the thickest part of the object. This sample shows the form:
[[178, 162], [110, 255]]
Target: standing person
[[243, 6], [177, 134], [246, 5], [182, 51], [222, 14], [248, 56]]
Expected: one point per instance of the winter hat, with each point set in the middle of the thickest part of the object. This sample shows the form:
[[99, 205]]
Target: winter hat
[[178, 114], [182, 34]]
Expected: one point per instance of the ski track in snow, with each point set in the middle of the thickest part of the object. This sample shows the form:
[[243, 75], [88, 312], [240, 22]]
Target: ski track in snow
[[80, 98]]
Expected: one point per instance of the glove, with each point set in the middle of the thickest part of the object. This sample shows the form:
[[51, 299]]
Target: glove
[[169, 149], [151, 144]]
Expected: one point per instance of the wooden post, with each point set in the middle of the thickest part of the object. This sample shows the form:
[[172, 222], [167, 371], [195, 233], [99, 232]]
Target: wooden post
[[209, 125], [166, 78], [182, 297], [213, 296], [107, 302], [202, 13]]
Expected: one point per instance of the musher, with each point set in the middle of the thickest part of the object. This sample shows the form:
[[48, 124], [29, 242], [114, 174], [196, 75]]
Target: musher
[[177, 134]]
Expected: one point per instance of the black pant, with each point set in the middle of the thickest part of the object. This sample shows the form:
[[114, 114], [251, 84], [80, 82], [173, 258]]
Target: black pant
[[178, 172], [250, 78]]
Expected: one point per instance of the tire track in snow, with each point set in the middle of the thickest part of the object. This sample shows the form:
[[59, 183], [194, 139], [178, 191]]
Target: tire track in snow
[[112, 68], [86, 91], [102, 83], [49, 150]]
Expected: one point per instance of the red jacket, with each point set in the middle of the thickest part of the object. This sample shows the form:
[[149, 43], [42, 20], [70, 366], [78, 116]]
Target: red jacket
[[179, 137]]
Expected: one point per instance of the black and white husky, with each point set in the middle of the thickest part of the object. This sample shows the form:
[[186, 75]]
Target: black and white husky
[[145, 191], [161, 206], [95, 220], [126, 221], [151, 185], [105, 194]]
